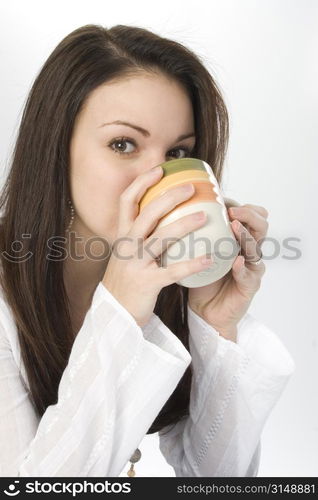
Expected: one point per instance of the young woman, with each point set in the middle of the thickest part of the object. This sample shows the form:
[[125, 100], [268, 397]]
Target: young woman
[[98, 345]]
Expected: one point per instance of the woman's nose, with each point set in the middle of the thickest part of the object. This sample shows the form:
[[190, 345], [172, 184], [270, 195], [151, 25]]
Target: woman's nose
[[154, 161]]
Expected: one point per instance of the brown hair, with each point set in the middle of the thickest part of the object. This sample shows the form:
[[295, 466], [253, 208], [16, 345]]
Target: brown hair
[[34, 196]]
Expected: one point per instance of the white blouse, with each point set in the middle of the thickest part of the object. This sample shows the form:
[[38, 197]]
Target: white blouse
[[118, 378]]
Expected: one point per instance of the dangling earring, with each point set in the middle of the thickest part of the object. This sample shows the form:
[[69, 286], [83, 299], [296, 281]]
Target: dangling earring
[[135, 457], [72, 215]]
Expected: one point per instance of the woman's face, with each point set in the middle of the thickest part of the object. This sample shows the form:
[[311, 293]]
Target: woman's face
[[105, 157]]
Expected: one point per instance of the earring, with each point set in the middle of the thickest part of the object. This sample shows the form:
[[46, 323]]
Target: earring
[[135, 457], [72, 215]]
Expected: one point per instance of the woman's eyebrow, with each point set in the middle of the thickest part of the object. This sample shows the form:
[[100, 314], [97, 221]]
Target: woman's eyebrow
[[143, 131]]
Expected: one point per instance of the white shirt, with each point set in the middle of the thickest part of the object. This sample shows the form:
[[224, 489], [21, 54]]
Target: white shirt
[[118, 378]]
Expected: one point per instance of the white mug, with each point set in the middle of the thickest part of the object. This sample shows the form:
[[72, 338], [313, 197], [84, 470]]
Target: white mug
[[214, 237]]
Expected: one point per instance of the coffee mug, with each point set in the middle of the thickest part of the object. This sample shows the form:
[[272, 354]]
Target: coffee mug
[[214, 237]]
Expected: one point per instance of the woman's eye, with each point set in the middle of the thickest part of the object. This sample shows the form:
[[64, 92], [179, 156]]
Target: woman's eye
[[126, 146], [120, 146], [186, 152]]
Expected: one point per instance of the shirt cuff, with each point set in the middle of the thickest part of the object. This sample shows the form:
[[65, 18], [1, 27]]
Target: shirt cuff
[[155, 331], [103, 291], [253, 338]]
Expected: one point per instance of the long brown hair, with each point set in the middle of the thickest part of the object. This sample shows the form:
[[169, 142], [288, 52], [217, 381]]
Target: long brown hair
[[34, 198]]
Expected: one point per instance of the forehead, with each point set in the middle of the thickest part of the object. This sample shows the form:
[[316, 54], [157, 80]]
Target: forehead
[[148, 100]]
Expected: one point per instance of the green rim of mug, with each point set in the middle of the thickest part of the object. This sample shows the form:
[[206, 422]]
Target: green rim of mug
[[180, 164]]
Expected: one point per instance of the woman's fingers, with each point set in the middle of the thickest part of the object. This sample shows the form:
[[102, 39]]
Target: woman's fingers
[[148, 219], [256, 223], [130, 198], [165, 236], [261, 210], [180, 270], [249, 246]]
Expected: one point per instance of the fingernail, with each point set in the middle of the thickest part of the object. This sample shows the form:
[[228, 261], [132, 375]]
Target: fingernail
[[234, 210], [199, 215], [188, 188], [155, 170], [236, 224], [206, 260]]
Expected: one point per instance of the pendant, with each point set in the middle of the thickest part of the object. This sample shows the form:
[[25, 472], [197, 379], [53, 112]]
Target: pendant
[[135, 457]]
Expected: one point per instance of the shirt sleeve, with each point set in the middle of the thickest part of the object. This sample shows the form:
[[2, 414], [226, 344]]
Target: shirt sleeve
[[235, 385], [113, 387]]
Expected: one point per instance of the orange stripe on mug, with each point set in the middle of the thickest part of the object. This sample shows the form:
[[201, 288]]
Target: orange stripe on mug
[[173, 180], [203, 192], [179, 209]]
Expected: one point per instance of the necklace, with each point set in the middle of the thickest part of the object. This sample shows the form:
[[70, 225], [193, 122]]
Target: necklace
[[135, 457]]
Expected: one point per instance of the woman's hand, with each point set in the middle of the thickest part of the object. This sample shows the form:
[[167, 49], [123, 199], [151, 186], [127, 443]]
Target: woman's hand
[[133, 275], [223, 303]]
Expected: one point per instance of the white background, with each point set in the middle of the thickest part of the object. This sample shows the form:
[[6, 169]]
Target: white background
[[263, 54]]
